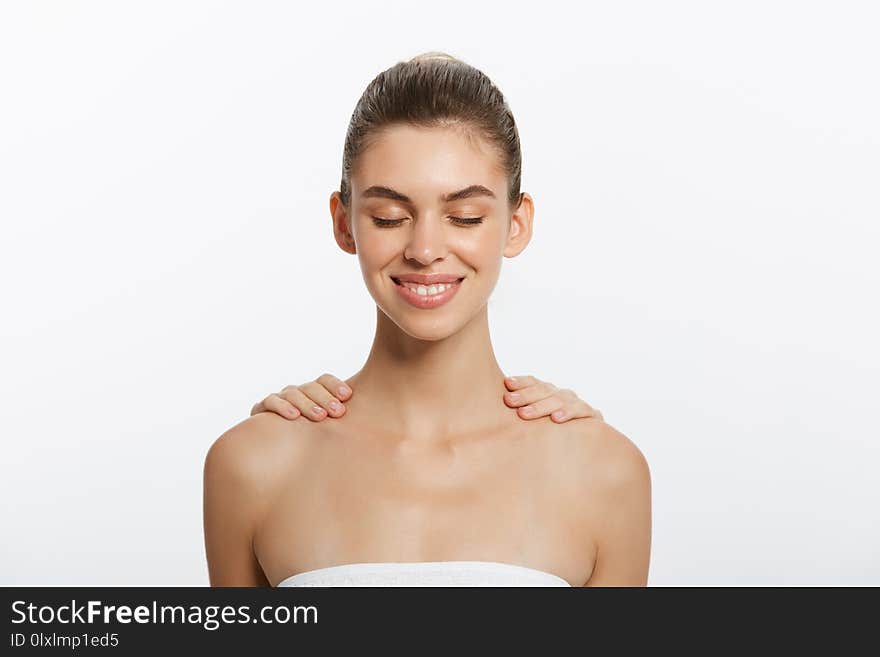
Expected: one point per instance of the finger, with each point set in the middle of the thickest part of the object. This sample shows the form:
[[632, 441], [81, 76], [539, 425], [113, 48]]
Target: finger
[[335, 386], [541, 408], [517, 382], [276, 404], [530, 394], [320, 396], [583, 409], [575, 407], [304, 403]]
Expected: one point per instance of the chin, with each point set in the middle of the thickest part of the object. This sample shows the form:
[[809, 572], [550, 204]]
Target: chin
[[429, 330]]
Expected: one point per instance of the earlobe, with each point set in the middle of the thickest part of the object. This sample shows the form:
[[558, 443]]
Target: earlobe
[[350, 246], [344, 238]]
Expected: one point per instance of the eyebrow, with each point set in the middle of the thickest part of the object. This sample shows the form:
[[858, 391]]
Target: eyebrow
[[377, 191]]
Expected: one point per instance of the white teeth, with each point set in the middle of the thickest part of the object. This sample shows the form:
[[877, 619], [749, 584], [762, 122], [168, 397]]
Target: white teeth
[[428, 290]]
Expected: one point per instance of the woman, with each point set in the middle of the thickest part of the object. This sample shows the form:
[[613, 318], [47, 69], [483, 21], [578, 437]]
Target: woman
[[423, 480]]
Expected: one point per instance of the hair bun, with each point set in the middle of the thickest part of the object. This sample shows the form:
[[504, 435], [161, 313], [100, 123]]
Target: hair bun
[[434, 54]]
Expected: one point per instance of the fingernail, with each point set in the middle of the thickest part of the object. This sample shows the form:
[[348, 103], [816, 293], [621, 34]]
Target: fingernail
[[317, 410], [335, 405], [344, 391], [558, 415], [514, 396], [528, 410], [511, 379]]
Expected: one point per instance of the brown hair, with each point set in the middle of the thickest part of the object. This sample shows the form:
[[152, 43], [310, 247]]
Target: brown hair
[[434, 89]]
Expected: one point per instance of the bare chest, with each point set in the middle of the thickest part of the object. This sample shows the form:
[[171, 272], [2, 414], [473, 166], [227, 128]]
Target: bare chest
[[357, 501]]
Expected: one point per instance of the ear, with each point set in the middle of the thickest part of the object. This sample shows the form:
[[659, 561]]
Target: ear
[[341, 224], [520, 232]]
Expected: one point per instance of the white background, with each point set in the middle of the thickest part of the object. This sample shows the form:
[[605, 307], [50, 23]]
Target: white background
[[703, 268]]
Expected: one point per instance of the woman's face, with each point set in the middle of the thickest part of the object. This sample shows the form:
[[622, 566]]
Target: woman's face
[[429, 203]]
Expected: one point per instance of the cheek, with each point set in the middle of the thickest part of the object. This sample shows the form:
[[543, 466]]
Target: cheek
[[375, 255], [482, 251]]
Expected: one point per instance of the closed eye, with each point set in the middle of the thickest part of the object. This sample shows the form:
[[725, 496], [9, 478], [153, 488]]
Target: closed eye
[[464, 221], [467, 221]]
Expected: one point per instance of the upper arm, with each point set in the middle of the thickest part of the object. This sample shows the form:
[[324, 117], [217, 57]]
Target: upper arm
[[232, 504], [624, 527]]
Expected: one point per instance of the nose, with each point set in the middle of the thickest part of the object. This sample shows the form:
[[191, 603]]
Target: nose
[[426, 241]]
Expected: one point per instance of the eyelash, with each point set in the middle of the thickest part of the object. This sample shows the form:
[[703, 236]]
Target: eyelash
[[463, 221]]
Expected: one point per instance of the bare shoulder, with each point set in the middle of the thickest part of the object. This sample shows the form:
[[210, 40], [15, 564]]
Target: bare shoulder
[[244, 470], [613, 484], [256, 453], [609, 456], [602, 470]]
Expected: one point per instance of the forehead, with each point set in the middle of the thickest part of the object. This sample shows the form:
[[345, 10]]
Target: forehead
[[428, 162]]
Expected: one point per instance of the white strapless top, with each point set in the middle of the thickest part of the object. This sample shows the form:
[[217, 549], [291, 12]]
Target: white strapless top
[[425, 573]]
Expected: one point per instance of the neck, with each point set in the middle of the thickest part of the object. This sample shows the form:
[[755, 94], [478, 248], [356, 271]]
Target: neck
[[424, 390]]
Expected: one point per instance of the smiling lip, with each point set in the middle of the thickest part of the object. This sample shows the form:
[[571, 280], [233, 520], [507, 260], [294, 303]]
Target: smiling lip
[[428, 279], [426, 301]]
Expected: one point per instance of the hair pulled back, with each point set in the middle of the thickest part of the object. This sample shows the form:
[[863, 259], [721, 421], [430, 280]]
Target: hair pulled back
[[434, 89]]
